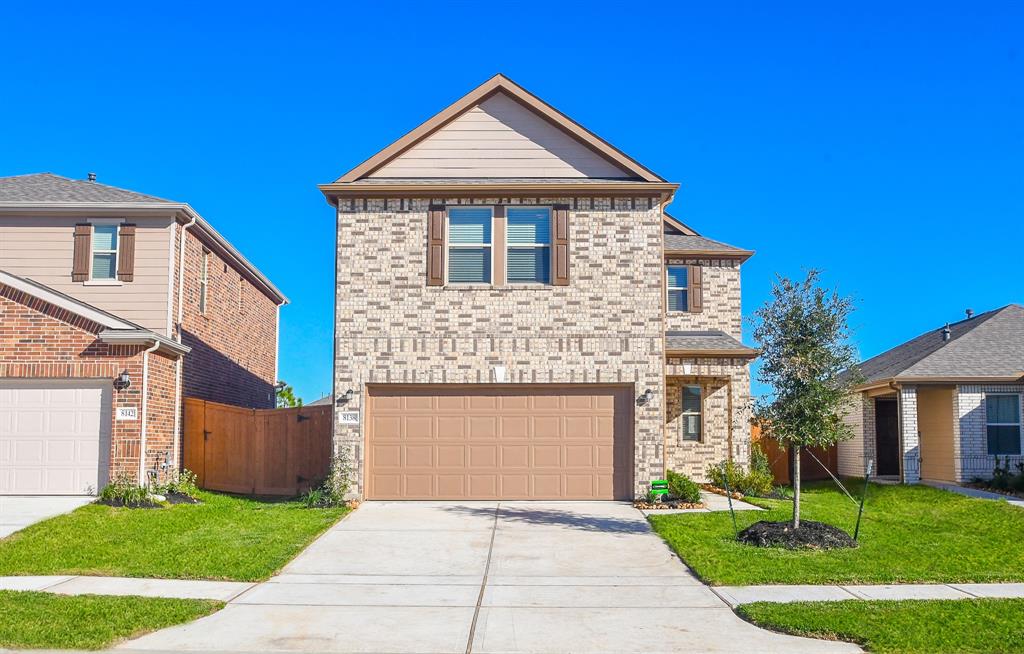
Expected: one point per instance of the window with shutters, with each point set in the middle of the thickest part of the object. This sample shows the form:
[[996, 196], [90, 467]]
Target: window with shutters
[[1002, 423], [529, 245], [469, 245], [103, 260], [678, 288], [691, 416], [204, 281]]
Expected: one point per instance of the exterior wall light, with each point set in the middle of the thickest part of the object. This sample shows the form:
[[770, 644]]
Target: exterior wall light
[[646, 397], [346, 397], [122, 381]]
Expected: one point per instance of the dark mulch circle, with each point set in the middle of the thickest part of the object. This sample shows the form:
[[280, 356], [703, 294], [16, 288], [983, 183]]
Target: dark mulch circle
[[122, 504], [811, 535], [180, 498]]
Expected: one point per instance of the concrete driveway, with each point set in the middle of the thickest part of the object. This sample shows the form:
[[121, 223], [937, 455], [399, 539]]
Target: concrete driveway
[[20, 511], [482, 577]]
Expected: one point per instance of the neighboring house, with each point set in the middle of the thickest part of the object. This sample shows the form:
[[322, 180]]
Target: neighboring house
[[106, 323], [518, 317], [944, 405], [326, 400]]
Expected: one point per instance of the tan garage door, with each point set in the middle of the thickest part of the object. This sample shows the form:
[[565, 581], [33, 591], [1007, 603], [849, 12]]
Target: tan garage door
[[466, 442]]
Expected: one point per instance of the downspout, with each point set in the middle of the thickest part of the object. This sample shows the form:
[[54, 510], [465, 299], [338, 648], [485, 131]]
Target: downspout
[[899, 427], [145, 397], [177, 337]]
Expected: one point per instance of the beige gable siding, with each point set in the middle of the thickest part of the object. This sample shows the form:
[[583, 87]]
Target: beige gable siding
[[40, 248], [500, 138]]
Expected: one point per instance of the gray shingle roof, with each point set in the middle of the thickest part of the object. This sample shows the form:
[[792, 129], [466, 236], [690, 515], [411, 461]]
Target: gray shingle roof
[[683, 242], [708, 341], [47, 187], [988, 345], [325, 400]]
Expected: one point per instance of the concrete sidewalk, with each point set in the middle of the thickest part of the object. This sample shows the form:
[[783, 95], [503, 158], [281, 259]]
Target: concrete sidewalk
[[80, 585], [975, 492], [736, 595], [20, 511]]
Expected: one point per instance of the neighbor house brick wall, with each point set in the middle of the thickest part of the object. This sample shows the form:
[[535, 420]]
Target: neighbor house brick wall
[[975, 460], [234, 343], [726, 383], [910, 437], [720, 281], [605, 327], [41, 341]]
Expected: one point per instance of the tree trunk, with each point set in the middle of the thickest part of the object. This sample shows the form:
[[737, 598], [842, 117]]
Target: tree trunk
[[796, 449]]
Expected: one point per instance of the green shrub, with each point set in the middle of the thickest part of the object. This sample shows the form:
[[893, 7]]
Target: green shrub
[[758, 481], [181, 483], [124, 490], [333, 489], [682, 487]]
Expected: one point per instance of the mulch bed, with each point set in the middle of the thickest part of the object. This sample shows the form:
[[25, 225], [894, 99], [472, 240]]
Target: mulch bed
[[121, 504], [1002, 491], [810, 536]]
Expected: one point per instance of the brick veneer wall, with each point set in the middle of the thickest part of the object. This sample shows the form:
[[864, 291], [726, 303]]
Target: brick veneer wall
[[718, 433], [909, 434], [41, 341], [720, 280], [234, 344], [970, 426], [605, 327]]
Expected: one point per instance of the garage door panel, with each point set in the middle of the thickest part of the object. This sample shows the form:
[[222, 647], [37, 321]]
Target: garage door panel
[[64, 451], [531, 442]]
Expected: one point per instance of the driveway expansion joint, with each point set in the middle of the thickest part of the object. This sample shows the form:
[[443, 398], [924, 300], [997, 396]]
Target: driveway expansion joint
[[483, 583]]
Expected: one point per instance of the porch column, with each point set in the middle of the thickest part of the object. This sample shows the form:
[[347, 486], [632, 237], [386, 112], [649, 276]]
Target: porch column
[[910, 438]]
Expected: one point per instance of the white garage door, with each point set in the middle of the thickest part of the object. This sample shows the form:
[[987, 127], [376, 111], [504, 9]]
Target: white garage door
[[54, 437]]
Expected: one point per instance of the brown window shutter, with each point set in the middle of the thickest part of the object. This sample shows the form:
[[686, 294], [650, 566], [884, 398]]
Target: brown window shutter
[[695, 292], [126, 253], [560, 246], [83, 245], [435, 245]]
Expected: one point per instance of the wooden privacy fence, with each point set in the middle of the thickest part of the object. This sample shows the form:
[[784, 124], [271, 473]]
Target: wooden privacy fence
[[257, 451], [781, 460]]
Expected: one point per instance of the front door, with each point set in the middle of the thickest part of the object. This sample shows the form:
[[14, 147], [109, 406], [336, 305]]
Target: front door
[[887, 437]]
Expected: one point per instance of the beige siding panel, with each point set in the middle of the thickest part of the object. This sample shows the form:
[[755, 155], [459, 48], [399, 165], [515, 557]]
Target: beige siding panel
[[851, 452], [935, 424], [500, 138], [40, 248]]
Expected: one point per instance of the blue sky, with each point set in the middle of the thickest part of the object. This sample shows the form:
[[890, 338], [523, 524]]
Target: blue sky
[[884, 145]]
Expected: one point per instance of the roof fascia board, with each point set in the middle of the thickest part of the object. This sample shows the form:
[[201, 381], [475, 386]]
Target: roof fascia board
[[479, 94], [334, 191], [744, 353], [924, 381], [681, 226], [742, 255], [143, 337]]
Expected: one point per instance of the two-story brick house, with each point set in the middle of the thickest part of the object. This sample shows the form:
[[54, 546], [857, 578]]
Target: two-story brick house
[[518, 317], [114, 306]]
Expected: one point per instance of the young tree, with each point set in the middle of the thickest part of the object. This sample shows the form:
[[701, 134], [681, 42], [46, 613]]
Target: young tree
[[286, 397], [807, 359]]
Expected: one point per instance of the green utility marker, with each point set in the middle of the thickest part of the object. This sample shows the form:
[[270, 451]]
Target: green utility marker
[[659, 487]]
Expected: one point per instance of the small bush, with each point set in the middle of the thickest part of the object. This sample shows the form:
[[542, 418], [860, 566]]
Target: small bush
[[182, 483], [123, 490], [682, 487], [333, 489], [758, 481]]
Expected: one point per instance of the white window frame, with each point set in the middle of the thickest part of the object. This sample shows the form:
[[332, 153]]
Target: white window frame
[[93, 223], [204, 282], [683, 413], [509, 246], [669, 288], [449, 245], [1018, 424]]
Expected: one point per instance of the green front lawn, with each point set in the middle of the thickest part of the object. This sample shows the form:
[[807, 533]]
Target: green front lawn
[[49, 621], [984, 626], [225, 537], [908, 534]]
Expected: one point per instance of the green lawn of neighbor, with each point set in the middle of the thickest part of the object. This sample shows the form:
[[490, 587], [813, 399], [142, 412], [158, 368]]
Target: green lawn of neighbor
[[983, 626], [49, 621], [225, 537], [908, 534]]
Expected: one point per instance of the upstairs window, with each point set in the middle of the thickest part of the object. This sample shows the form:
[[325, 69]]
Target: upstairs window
[[529, 245], [691, 415], [469, 245], [104, 252], [204, 281], [678, 288], [1002, 422]]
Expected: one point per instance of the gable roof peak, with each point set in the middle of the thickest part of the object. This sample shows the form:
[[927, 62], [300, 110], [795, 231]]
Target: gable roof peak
[[500, 83]]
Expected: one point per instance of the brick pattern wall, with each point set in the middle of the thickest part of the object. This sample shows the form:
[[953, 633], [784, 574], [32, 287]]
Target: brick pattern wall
[[234, 343], [911, 437], [726, 383], [38, 341], [605, 327], [720, 280], [970, 422]]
